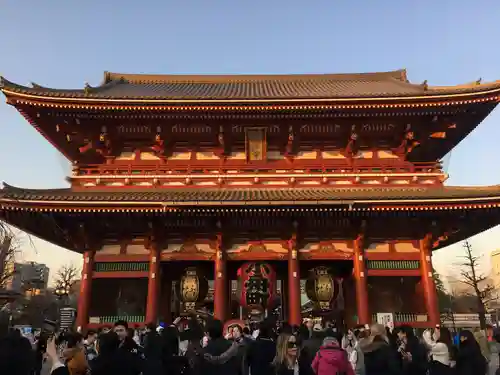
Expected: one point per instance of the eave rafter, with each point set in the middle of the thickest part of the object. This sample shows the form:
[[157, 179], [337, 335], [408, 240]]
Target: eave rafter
[[250, 106], [254, 206]]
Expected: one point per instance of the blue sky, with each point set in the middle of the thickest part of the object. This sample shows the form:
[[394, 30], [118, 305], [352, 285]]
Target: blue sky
[[64, 44]]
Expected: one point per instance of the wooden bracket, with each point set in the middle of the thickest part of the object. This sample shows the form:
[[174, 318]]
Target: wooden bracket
[[154, 239], [290, 143], [352, 144]]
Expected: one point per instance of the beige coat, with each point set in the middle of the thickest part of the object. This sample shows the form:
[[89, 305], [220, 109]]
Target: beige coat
[[482, 340]]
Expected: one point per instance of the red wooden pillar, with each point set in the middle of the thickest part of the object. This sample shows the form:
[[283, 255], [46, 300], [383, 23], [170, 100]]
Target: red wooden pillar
[[220, 282], [360, 282], [153, 285], [82, 317], [167, 301], [294, 303], [430, 294]]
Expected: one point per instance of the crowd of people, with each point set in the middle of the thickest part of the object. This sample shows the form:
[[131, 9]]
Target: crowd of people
[[193, 347]]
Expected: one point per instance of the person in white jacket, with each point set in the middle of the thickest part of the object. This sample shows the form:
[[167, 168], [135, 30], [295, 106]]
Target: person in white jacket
[[437, 348]]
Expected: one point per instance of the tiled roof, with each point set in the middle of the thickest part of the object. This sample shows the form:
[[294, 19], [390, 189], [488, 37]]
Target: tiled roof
[[197, 196], [252, 87]]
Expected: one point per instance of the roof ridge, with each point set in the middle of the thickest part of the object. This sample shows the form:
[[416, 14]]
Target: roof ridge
[[11, 188], [219, 78]]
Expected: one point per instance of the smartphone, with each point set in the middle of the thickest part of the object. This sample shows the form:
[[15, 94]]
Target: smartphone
[[49, 327]]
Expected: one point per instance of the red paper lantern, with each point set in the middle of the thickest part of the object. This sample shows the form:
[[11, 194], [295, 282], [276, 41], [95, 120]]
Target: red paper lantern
[[257, 285]]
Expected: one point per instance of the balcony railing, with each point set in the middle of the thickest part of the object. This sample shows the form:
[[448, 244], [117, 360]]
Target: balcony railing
[[189, 167]]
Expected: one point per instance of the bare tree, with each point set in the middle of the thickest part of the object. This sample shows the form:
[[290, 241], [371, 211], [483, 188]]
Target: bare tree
[[477, 281], [66, 278], [8, 250]]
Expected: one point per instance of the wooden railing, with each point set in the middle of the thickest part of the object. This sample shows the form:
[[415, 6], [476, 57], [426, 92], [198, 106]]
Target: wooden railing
[[271, 167], [403, 317], [110, 319], [121, 266]]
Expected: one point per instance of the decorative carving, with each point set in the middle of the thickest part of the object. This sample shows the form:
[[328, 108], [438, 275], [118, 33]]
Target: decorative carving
[[158, 146], [259, 248], [326, 250], [408, 143], [320, 128], [189, 248], [290, 142], [134, 129], [221, 150], [191, 129], [352, 145], [377, 128]]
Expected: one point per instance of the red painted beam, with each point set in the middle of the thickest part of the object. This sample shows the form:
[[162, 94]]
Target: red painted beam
[[121, 258], [121, 275], [393, 272], [392, 256]]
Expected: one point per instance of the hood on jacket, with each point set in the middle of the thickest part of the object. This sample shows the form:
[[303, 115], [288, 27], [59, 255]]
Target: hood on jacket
[[371, 344], [440, 353], [332, 354], [480, 334]]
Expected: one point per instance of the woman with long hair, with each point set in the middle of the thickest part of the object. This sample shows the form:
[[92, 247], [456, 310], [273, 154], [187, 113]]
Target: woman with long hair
[[285, 362], [470, 360]]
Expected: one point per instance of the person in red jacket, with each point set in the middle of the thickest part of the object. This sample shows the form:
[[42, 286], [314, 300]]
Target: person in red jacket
[[331, 359]]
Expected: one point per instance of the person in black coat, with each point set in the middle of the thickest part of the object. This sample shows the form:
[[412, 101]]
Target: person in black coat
[[173, 363], [413, 354], [261, 351], [16, 355], [380, 357], [152, 352], [470, 360], [216, 346], [309, 349], [112, 359]]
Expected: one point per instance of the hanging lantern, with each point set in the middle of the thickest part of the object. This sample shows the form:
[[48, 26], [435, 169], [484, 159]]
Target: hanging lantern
[[193, 288], [321, 288], [257, 286]]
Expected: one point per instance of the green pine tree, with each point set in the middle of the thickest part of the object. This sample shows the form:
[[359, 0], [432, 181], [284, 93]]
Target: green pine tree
[[442, 294]]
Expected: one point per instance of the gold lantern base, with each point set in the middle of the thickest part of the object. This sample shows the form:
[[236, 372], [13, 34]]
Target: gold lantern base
[[324, 305], [189, 306]]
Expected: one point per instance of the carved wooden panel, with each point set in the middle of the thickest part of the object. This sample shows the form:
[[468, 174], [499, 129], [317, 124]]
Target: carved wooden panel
[[377, 128], [319, 128], [134, 129], [326, 250], [191, 129]]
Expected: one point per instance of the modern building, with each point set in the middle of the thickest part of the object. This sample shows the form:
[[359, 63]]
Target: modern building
[[272, 181], [27, 277], [495, 268]]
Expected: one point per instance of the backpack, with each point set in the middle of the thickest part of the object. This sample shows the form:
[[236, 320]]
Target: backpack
[[318, 362]]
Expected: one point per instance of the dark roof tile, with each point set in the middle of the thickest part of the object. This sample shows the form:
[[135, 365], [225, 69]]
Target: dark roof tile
[[241, 87], [240, 195]]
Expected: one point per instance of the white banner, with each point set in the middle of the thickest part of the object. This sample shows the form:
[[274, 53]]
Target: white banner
[[386, 319]]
